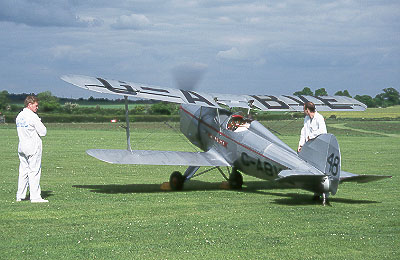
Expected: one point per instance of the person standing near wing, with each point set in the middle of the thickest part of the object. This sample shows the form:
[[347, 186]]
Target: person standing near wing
[[30, 128], [314, 125]]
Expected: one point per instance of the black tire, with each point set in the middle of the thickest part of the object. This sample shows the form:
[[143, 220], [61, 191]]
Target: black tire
[[235, 180], [176, 181]]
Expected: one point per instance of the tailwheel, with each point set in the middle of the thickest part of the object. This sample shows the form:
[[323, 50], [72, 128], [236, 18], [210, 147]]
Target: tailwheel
[[235, 179], [176, 180]]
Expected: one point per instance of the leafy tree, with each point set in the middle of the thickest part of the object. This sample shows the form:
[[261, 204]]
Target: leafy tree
[[343, 93], [69, 107], [48, 102], [380, 101], [4, 100], [162, 108], [367, 100], [139, 110], [306, 92], [391, 96], [321, 92]]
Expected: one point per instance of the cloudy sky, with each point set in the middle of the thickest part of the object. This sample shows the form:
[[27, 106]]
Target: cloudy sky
[[237, 46]]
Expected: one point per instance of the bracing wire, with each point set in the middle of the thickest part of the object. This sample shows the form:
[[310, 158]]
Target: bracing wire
[[181, 136]]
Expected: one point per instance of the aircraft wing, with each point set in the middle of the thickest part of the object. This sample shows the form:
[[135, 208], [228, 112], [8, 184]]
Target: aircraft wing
[[262, 102], [363, 178], [149, 157]]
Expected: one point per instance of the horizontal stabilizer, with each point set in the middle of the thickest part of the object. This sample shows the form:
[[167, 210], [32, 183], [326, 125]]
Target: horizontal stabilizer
[[351, 177], [290, 173], [149, 157], [306, 180]]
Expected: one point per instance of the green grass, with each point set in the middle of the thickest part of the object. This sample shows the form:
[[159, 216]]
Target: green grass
[[103, 211], [370, 113]]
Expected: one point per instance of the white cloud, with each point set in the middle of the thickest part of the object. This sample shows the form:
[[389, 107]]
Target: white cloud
[[231, 54], [42, 14], [285, 43], [133, 21], [69, 52]]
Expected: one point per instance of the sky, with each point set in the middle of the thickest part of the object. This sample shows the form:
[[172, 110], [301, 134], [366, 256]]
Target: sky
[[221, 46]]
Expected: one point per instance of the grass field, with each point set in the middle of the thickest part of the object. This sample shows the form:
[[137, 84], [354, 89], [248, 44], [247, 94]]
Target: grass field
[[388, 112], [104, 211]]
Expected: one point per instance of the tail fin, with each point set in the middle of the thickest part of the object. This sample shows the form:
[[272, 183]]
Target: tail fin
[[323, 153]]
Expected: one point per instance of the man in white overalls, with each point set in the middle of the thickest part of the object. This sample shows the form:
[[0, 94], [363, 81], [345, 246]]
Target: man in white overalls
[[314, 125], [30, 128]]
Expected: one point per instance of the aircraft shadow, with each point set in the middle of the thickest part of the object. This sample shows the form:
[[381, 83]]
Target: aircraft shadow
[[296, 199], [192, 185], [259, 187]]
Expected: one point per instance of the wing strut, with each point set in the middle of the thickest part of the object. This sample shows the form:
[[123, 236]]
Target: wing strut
[[128, 135]]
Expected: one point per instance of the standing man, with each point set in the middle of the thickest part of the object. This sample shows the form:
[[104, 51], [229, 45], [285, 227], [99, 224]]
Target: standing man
[[30, 128], [314, 125]]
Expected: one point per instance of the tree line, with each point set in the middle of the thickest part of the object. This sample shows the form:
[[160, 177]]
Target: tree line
[[53, 104], [50, 103], [389, 96]]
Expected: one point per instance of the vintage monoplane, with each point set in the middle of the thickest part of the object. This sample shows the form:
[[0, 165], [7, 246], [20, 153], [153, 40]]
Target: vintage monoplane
[[235, 141]]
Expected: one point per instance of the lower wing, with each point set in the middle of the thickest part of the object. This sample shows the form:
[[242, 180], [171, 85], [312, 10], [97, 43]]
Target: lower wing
[[150, 157]]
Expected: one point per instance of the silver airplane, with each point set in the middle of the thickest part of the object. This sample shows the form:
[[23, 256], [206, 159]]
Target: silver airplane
[[240, 144]]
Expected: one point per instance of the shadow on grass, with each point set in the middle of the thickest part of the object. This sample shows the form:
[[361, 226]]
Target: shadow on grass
[[149, 188], [46, 193], [193, 185], [295, 199], [258, 187]]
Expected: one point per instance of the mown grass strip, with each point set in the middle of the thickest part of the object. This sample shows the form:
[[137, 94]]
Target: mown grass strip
[[104, 211]]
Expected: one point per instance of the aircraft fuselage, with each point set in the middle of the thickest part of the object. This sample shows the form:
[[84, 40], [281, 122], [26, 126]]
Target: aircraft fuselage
[[252, 150]]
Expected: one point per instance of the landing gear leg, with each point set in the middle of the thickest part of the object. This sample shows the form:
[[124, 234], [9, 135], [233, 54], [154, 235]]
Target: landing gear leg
[[235, 179], [325, 200]]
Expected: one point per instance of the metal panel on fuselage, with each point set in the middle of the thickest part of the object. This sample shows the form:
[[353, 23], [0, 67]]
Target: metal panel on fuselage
[[189, 123], [252, 160]]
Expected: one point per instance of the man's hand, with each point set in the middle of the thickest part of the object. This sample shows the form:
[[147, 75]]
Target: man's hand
[[299, 148]]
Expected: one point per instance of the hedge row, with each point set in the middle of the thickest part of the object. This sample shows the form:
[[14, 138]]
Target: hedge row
[[96, 118], [68, 118], [278, 116], [101, 118]]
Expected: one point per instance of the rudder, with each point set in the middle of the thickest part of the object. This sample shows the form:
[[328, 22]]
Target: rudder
[[323, 153]]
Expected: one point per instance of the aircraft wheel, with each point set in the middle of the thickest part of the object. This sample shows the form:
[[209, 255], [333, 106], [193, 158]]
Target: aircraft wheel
[[176, 180], [235, 180]]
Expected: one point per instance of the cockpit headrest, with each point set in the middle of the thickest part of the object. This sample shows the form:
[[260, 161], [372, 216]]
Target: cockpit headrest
[[237, 116]]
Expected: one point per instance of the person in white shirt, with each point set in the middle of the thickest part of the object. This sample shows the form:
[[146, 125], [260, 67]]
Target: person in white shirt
[[314, 125], [30, 128]]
